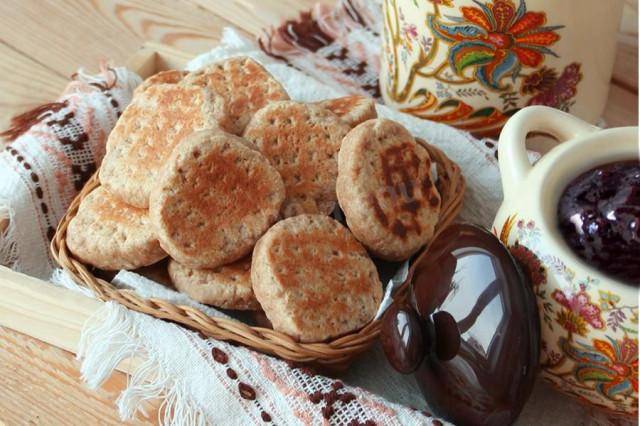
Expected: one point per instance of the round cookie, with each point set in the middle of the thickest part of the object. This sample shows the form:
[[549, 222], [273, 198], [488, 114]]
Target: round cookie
[[385, 189], [148, 130], [228, 286], [214, 199], [163, 77], [353, 110], [244, 85], [313, 279], [112, 235], [302, 141]]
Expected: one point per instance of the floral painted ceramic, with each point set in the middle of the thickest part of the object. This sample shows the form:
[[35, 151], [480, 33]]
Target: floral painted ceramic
[[589, 322], [474, 63]]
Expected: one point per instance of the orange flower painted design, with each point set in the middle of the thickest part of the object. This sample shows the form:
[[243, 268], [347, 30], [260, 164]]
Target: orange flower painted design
[[496, 39], [611, 365]]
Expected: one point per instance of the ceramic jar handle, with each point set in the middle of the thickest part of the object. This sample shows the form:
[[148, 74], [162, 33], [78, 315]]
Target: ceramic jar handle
[[512, 152]]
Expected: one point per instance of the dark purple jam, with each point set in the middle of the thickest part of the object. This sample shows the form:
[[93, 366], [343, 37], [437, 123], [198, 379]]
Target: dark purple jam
[[599, 217]]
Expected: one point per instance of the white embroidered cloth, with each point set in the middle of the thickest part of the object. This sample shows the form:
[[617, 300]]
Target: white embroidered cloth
[[45, 168]]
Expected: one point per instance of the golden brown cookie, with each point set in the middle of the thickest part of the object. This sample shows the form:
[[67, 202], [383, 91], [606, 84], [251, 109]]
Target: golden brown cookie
[[214, 199], [313, 279], [227, 286], [244, 85], [148, 130], [112, 235], [385, 189], [163, 77], [302, 142], [353, 110]]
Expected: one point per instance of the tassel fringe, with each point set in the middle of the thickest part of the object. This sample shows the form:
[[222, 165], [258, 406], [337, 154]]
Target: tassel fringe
[[109, 338], [107, 79], [8, 246], [61, 278]]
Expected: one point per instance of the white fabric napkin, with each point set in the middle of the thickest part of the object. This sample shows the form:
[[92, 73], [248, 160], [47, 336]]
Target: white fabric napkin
[[211, 382]]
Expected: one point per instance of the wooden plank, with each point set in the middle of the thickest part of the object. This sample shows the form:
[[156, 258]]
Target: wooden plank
[[41, 384], [256, 16], [625, 70], [155, 57], [626, 63], [24, 84], [67, 35], [622, 108], [48, 313]]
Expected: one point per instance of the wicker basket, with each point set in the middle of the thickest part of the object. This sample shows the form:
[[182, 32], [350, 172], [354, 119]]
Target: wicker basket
[[334, 355]]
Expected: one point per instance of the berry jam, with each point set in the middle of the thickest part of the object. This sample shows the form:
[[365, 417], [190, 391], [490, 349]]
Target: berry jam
[[599, 217]]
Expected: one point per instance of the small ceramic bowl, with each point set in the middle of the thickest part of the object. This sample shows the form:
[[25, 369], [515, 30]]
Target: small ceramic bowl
[[589, 321]]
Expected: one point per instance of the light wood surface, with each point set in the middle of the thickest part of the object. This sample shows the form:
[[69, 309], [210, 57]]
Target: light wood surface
[[41, 44], [27, 303], [41, 384]]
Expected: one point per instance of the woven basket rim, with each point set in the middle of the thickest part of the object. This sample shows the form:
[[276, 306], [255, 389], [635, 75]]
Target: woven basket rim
[[336, 353]]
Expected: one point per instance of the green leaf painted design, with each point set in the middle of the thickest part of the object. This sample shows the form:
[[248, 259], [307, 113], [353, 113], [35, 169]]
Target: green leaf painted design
[[448, 103], [594, 375], [484, 112], [629, 330], [473, 58]]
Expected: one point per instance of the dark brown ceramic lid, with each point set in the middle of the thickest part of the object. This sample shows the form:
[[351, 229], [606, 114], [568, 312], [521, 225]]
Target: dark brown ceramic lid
[[471, 330]]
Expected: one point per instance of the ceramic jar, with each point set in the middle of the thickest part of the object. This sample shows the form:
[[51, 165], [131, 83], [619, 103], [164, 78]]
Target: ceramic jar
[[474, 63], [589, 321]]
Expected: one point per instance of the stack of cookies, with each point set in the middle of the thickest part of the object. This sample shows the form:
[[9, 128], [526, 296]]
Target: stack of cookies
[[220, 171]]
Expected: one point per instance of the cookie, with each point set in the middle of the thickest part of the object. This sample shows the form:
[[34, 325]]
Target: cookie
[[214, 199], [313, 279], [112, 235], [148, 130], [353, 110], [163, 77], [244, 85], [301, 141], [385, 189], [227, 287]]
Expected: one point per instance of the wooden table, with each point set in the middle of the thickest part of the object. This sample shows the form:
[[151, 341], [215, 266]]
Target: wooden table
[[43, 42]]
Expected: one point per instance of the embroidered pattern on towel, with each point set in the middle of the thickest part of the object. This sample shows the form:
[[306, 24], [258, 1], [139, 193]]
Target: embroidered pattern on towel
[[52, 152]]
